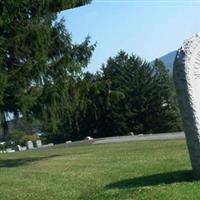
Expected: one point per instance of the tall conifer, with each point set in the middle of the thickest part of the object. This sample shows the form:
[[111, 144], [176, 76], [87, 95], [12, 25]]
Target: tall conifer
[[36, 58]]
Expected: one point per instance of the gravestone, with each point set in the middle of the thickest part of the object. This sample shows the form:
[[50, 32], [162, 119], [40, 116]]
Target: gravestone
[[19, 148], [10, 150], [24, 148], [38, 143], [88, 138], [30, 145], [187, 82]]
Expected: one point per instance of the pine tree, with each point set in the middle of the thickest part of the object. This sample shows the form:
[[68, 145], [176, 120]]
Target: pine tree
[[167, 116], [36, 58], [133, 77], [149, 104], [129, 95]]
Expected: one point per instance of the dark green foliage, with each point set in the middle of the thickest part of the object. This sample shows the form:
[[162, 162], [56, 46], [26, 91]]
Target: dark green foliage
[[150, 103], [41, 78], [59, 5], [37, 58], [167, 116], [100, 112], [133, 77], [129, 95], [21, 138]]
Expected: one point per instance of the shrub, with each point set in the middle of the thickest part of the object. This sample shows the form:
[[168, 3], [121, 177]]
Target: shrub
[[20, 138]]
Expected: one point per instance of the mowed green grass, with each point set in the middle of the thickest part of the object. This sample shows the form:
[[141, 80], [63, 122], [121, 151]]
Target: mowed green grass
[[123, 171]]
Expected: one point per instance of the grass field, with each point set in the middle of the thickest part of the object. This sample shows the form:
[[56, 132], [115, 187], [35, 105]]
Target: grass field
[[134, 170]]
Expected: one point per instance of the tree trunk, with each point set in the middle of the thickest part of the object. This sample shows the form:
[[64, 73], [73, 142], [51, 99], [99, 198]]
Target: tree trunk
[[4, 125]]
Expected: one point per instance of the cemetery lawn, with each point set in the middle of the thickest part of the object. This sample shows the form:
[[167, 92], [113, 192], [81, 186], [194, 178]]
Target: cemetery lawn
[[123, 171]]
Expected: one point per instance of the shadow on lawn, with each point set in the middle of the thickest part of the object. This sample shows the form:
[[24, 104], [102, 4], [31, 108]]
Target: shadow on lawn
[[22, 161], [156, 179]]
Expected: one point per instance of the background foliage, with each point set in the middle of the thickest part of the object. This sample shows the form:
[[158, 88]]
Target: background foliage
[[42, 79]]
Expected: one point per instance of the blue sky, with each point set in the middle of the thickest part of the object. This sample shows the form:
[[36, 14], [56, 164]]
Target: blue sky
[[148, 29]]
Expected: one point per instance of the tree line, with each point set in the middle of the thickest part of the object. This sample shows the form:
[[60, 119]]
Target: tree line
[[41, 77], [127, 95]]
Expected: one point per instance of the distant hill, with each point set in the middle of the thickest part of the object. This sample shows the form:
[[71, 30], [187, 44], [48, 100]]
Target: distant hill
[[168, 60]]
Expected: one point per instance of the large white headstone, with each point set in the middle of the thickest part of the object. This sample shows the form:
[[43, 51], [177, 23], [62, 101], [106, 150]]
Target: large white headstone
[[187, 82]]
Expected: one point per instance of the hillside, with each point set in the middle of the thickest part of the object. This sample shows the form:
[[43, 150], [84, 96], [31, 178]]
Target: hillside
[[168, 60]]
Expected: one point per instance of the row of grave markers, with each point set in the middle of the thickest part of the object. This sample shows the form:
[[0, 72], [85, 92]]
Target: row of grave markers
[[29, 145], [38, 143]]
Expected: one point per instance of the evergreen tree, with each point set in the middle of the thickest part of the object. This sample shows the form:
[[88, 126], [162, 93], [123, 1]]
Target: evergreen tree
[[129, 95], [91, 102], [167, 115], [149, 104], [101, 109], [36, 59], [131, 76]]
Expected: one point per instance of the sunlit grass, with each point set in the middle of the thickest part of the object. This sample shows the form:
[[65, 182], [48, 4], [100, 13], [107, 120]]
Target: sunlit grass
[[134, 170]]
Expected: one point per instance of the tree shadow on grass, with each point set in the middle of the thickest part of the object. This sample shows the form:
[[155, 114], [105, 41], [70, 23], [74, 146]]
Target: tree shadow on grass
[[8, 163], [155, 179]]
